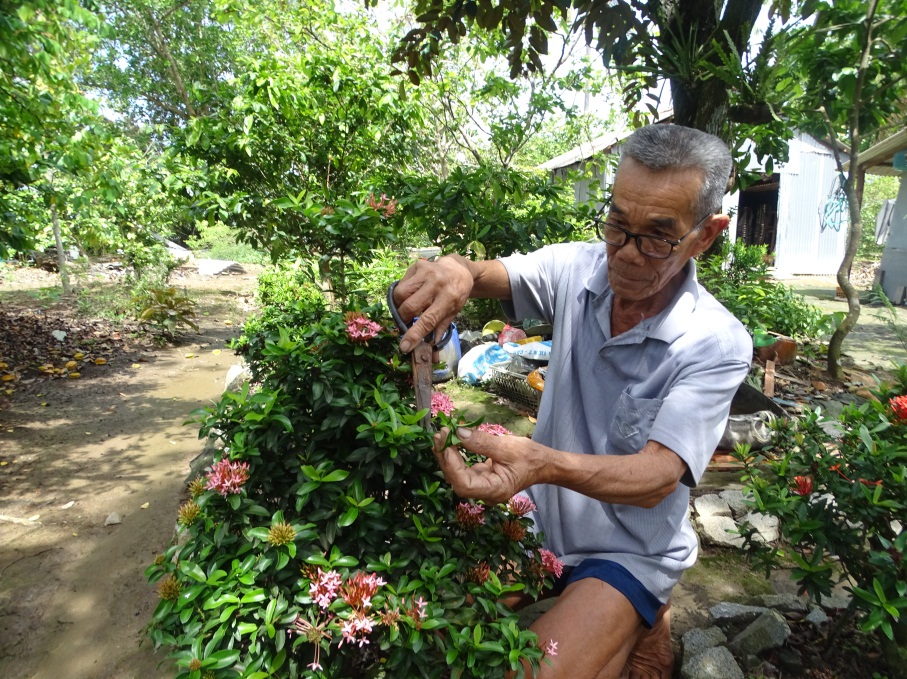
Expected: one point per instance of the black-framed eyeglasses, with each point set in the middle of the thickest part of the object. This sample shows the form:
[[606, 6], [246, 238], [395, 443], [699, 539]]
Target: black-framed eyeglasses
[[651, 246]]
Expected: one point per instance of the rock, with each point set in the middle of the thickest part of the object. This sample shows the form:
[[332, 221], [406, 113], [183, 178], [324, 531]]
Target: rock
[[767, 526], [790, 662], [211, 452], [835, 602], [728, 614], [714, 530], [237, 375], [697, 640], [113, 519], [817, 616], [711, 505], [736, 500], [786, 603], [767, 631], [712, 663]]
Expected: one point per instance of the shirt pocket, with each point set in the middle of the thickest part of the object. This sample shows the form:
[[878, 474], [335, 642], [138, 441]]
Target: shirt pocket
[[631, 424]]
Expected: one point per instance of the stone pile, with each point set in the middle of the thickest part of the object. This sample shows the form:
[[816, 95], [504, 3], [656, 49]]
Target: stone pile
[[739, 636], [718, 518]]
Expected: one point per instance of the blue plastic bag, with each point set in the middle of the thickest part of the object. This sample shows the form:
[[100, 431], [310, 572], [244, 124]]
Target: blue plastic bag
[[473, 367]]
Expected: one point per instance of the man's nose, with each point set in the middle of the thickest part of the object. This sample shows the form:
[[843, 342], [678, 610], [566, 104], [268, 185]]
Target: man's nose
[[629, 252]]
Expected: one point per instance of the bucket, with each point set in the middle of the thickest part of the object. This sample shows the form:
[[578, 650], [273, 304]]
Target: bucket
[[450, 356]]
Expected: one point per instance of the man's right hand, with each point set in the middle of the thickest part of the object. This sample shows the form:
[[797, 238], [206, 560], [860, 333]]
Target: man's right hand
[[435, 292]]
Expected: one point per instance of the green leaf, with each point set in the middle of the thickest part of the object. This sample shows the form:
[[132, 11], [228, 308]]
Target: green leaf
[[222, 659], [348, 517], [193, 571]]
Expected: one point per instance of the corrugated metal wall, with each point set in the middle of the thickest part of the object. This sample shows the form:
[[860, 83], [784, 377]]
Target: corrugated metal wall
[[807, 180]]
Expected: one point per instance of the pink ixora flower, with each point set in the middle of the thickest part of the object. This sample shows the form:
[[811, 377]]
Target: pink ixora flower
[[361, 329], [470, 515], [494, 429], [441, 403], [324, 587], [899, 406], [356, 629], [550, 648], [227, 477], [551, 563], [520, 505]]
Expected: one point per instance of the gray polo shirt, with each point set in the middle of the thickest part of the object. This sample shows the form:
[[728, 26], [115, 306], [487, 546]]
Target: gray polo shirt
[[670, 379]]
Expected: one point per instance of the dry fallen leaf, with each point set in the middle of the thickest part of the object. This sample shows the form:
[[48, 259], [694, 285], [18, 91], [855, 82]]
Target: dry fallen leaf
[[216, 352], [136, 365], [190, 355], [228, 322], [145, 506], [3, 463], [43, 403]]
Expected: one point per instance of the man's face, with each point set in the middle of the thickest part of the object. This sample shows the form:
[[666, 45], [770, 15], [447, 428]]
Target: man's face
[[658, 204]]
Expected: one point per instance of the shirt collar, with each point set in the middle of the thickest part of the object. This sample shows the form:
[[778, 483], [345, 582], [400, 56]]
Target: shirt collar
[[669, 324]]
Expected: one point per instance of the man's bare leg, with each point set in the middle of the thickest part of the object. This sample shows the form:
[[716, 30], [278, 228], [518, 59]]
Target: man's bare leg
[[595, 627]]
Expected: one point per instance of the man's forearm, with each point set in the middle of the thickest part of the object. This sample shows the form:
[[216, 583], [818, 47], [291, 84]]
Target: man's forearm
[[642, 480], [489, 278]]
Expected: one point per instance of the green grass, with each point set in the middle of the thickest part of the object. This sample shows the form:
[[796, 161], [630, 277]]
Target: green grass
[[475, 402]]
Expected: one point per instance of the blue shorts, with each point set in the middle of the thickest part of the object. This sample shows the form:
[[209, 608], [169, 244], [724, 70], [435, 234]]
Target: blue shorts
[[645, 603]]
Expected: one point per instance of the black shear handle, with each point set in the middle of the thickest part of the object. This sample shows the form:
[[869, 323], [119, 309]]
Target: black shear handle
[[392, 306]]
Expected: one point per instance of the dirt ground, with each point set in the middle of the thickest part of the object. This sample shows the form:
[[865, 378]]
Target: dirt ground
[[73, 598]]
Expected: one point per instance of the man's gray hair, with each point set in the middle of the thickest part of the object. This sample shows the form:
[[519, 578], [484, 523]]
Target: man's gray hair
[[668, 147]]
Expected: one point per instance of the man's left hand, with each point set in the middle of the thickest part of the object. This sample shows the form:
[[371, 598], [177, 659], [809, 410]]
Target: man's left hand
[[512, 464]]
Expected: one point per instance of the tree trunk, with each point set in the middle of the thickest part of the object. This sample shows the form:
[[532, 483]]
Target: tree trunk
[[61, 255], [327, 284], [853, 299]]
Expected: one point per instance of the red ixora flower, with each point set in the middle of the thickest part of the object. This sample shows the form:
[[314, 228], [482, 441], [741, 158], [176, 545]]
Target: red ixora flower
[[361, 329], [551, 563], [803, 485], [386, 205], [441, 403], [227, 477], [494, 429], [359, 590], [899, 406]]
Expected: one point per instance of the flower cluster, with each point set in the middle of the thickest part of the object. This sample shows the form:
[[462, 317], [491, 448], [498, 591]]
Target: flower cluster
[[169, 588], [520, 505], [281, 533], [385, 205], [494, 429], [514, 530], [324, 587], [899, 406], [478, 573], [550, 648], [188, 513], [551, 563], [803, 485], [357, 592], [361, 329], [470, 515], [441, 403], [227, 477]]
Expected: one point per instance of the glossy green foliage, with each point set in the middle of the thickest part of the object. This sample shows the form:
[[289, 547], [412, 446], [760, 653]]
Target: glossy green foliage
[[491, 212], [738, 278], [167, 311], [841, 502]]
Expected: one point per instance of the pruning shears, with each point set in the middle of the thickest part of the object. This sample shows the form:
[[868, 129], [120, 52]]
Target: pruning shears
[[421, 357]]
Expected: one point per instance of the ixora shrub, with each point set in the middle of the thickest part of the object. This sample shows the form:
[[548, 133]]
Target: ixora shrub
[[326, 543], [841, 507]]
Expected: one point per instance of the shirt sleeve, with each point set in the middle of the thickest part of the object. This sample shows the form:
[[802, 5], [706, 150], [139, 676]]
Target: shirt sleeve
[[694, 413], [533, 281]]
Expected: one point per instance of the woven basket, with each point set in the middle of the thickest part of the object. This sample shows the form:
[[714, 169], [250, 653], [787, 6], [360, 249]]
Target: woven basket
[[514, 386]]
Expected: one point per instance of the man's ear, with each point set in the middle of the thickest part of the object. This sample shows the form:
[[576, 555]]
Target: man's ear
[[713, 226]]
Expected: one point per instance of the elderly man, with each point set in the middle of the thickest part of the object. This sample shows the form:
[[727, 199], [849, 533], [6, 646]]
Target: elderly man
[[643, 368]]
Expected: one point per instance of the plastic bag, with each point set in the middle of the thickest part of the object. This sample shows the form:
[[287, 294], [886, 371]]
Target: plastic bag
[[473, 366], [536, 351]]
